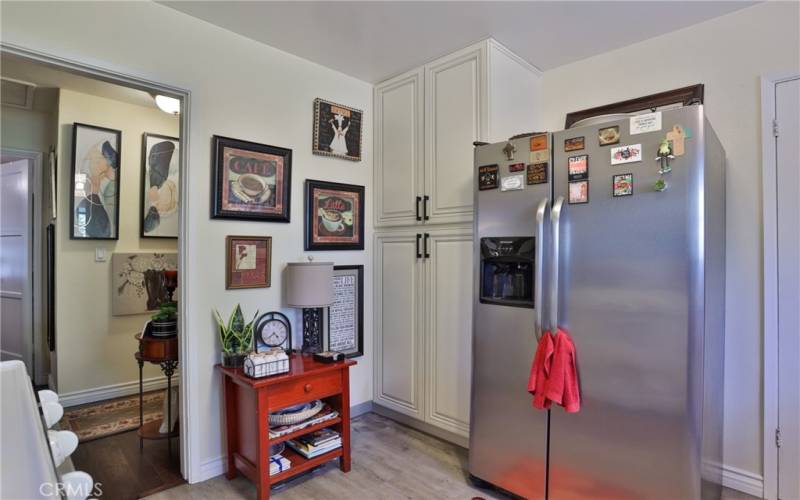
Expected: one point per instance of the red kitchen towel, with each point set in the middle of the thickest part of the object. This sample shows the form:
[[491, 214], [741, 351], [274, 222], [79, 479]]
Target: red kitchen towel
[[562, 385], [540, 371]]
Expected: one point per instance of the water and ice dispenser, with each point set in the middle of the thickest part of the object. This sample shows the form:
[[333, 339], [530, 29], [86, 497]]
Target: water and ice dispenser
[[507, 267]]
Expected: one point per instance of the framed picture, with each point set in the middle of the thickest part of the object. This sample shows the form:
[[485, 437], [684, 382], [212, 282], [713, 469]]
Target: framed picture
[[578, 168], [608, 136], [94, 192], [334, 216], [626, 154], [574, 144], [251, 181], [138, 284], [248, 262], [578, 192], [160, 181], [345, 317], [622, 185], [337, 130]]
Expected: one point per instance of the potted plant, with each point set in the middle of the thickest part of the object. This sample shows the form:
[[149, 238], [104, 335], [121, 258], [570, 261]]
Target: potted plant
[[164, 323], [235, 336]]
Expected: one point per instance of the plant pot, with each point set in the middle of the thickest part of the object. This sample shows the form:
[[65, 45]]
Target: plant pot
[[235, 360], [164, 328]]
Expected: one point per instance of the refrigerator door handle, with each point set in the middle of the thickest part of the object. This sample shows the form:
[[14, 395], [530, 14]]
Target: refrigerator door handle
[[555, 220], [541, 214]]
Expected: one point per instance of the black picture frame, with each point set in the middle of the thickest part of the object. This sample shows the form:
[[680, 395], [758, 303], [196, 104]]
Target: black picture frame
[[569, 197], [118, 151], [350, 123], [220, 195], [583, 176], [318, 235], [358, 270], [614, 182], [142, 190]]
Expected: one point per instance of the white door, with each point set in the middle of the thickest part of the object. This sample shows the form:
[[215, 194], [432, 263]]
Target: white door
[[16, 312], [449, 328], [454, 119], [787, 114], [398, 150], [399, 299]]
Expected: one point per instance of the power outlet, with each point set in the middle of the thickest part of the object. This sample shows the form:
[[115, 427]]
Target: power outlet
[[100, 255]]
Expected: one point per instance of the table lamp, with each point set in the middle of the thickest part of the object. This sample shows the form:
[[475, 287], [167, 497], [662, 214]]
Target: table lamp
[[309, 286]]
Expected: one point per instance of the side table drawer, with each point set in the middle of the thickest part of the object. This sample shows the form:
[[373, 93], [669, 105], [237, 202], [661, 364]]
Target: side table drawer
[[307, 389]]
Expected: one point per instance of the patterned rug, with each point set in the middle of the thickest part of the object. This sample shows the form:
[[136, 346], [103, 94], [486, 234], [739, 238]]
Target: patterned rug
[[106, 418]]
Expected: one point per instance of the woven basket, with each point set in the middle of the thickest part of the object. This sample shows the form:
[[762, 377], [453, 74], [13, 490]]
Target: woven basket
[[295, 418]]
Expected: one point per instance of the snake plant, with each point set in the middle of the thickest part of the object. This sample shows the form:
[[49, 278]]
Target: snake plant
[[236, 336]]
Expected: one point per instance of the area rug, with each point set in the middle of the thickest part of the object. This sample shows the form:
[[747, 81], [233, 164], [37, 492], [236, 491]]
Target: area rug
[[106, 418]]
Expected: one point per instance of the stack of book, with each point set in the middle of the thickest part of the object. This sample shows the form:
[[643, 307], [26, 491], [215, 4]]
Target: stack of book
[[278, 463], [327, 413], [316, 443]]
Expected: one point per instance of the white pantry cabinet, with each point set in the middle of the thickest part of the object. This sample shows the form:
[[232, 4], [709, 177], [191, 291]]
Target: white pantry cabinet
[[426, 121], [423, 320]]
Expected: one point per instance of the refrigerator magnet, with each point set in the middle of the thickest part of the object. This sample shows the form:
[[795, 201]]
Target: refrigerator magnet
[[574, 144], [516, 167], [578, 192], [608, 136], [539, 142], [623, 185], [512, 183], [541, 156], [676, 138], [578, 167], [648, 122], [537, 173], [487, 177], [626, 154]]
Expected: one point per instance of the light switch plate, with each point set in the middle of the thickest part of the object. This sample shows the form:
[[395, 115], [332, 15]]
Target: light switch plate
[[100, 254]]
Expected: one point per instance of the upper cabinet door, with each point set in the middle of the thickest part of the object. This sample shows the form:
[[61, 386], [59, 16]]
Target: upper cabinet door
[[399, 149], [455, 91]]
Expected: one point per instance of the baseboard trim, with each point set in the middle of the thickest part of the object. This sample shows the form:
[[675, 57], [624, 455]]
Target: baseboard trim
[[421, 426], [736, 479], [360, 409], [75, 398]]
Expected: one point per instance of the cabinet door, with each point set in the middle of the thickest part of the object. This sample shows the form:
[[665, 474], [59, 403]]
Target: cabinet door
[[398, 149], [449, 328], [398, 333], [454, 119]]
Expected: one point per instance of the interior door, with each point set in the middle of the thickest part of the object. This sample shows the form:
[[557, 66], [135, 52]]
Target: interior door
[[16, 287], [399, 295], [453, 121], [787, 114], [399, 150], [449, 327]]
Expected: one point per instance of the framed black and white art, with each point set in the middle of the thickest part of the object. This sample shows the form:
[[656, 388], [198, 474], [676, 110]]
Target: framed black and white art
[[160, 181], [344, 322]]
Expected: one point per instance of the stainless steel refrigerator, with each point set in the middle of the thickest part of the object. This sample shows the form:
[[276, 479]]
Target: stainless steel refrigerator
[[637, 278]]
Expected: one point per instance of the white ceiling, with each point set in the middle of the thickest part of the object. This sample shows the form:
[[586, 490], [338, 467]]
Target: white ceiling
[[375, 40], [48, 77]]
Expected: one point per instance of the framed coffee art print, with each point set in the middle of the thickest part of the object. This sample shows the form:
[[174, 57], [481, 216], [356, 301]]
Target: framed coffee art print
[[251, 181], [248, 262], [160, 180], [334, 216], [337, 130]]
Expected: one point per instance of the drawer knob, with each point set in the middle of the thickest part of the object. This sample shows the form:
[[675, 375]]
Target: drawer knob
[[307, 388]]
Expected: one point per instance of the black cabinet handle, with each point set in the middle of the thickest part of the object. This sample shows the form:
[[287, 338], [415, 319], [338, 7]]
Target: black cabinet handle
[[425, 246], [419, 199], [425, 200], [419, 255]]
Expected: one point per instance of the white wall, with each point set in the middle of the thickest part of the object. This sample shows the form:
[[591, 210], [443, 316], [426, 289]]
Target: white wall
[[95, 349], [240, 89], [727, 54]]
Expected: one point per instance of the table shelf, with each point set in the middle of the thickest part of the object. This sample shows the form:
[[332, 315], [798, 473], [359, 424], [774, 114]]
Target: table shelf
[[302, 432]]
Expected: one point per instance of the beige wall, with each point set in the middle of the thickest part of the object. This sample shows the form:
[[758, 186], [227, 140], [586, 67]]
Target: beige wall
[[727, 54], [95, 349]]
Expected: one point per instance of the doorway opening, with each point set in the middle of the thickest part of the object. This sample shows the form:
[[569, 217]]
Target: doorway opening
[[92, 166]]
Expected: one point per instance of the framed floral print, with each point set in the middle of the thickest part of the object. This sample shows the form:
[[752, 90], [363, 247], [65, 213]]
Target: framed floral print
[[251, 181], [160, 181], [248, 262], [337, 130], [94, 191], [334, 216]]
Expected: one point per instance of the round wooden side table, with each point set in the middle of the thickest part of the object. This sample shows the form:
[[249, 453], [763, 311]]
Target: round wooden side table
[[163, 352]]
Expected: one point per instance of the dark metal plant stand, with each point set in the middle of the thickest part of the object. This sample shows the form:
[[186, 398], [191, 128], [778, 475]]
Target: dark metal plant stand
[[163, 352]]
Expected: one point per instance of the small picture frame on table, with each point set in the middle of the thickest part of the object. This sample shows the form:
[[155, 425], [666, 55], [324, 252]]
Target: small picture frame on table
[[248, 262], [344, 319]]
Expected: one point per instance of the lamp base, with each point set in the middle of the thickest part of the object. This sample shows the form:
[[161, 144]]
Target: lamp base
[[312, 330]]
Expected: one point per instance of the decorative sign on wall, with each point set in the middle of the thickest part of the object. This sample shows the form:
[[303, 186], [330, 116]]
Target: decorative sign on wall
[[334, 216], [345, 323], [138, 281], [160, 181], [337, 130]]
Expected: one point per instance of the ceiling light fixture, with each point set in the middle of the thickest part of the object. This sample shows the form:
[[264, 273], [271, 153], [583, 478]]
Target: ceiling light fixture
[[168, 104]]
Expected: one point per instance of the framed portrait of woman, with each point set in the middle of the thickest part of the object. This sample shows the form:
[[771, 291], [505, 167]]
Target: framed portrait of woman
[[251, 181], [334, 216], [337, 130], [160, 181], [95, 184]]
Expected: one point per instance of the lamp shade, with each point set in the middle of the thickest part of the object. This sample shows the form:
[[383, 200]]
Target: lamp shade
[[309, 284]]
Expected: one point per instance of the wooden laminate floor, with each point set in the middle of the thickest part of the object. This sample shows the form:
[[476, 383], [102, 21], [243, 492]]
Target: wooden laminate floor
[[390, 461]]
